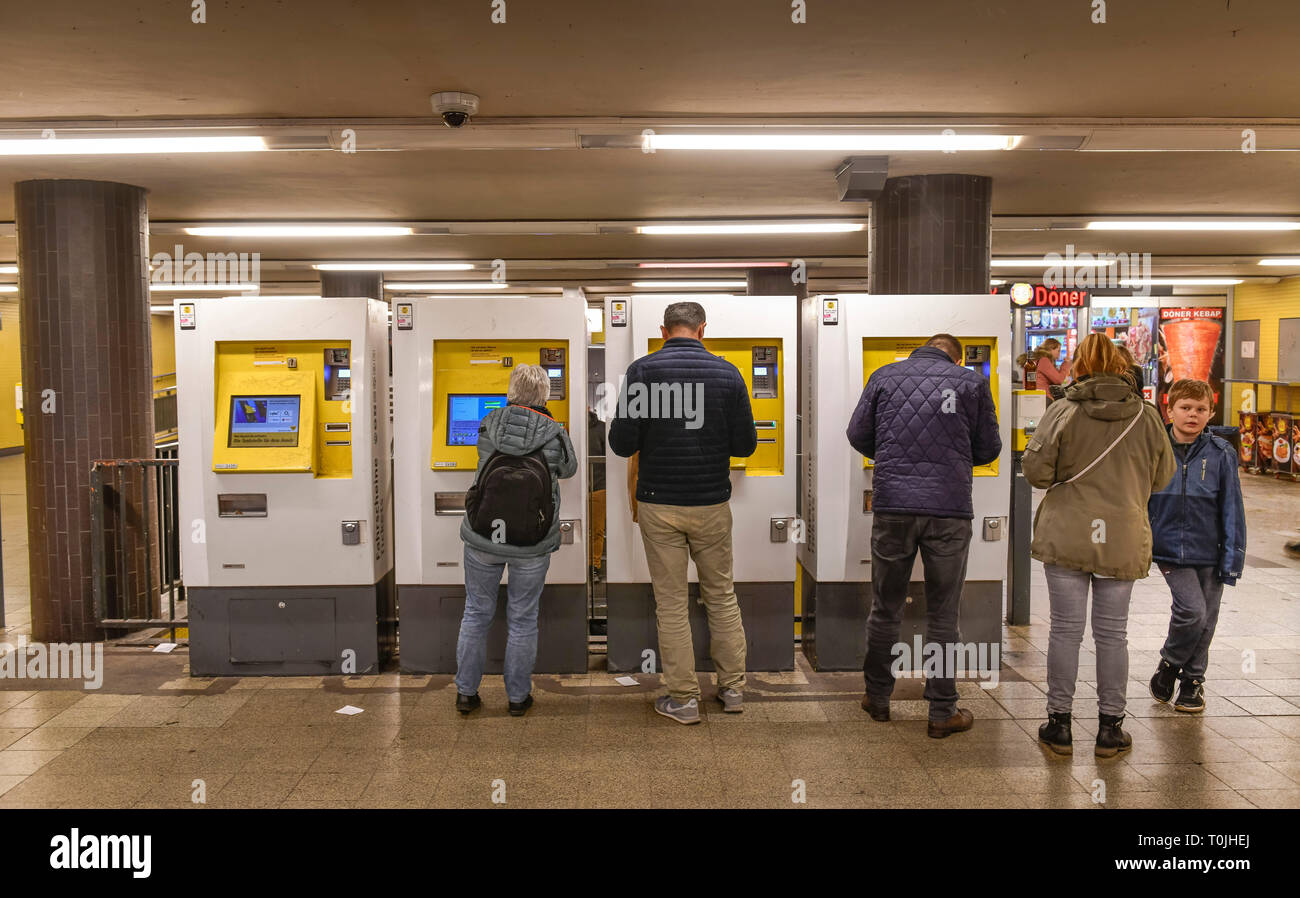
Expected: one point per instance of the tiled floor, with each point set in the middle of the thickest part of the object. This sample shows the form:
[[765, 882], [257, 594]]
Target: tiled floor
[[154, 737]]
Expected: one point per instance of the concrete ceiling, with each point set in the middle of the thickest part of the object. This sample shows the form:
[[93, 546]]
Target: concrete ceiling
[[1166, 85]]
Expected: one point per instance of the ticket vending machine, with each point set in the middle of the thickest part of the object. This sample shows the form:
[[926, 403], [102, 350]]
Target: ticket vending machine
[[757, 335], [452, 359], [845, 339], [284, 485]]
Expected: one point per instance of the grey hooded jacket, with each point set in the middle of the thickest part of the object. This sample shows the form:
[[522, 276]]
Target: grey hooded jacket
[[518, 430]]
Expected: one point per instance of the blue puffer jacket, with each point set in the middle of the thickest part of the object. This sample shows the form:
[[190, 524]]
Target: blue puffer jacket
[[687, 442], [1199, 520], [926, 422]]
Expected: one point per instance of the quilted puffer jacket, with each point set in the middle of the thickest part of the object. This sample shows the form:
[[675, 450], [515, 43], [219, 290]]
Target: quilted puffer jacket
[[518, 430], [926, 422], [1199, 520], [685, 459]]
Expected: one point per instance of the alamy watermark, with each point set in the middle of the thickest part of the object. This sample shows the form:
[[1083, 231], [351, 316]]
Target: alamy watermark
[[55, 661], [951, 660], [1087, 271], [683, 401], [180, 267]]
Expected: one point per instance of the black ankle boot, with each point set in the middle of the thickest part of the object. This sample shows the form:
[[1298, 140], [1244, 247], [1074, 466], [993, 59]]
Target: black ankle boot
[[1111, 740], [1055, 734]]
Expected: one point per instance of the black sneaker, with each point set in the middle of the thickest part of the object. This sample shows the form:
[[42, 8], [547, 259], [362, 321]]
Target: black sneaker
[[1162, 683], [1292, 548], [1055, 734], [1111, 740], [467, 703], [519, 709], [1191, 696]]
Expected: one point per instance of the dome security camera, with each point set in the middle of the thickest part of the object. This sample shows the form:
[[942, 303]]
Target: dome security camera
[[455, 107]]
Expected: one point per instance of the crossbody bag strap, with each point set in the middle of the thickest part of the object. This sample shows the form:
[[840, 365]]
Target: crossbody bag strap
[[1104, 453]]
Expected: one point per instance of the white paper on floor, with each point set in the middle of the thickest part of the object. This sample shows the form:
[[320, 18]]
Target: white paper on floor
[[349, 710], [164, 647], [626, 681]]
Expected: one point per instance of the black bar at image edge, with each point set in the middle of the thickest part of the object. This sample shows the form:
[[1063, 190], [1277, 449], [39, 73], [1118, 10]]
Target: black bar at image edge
[[333, 847]]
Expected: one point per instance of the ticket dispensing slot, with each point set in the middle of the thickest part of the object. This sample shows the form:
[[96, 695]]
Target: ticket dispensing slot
[[470, 379], [241, 505], [979, 354]]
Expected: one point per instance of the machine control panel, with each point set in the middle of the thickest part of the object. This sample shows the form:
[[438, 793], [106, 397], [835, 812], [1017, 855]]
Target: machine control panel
[[765, 373], [552, 359], [338, 375], [978, 357]]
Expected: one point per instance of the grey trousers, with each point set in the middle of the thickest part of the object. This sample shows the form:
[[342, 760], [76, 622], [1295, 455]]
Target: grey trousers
[[1197, 593], [1067, 592]]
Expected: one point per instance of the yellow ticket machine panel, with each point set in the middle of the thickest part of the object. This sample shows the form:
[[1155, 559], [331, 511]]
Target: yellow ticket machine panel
[[761, 364], [979, 355], [470, 378], [283, 407]]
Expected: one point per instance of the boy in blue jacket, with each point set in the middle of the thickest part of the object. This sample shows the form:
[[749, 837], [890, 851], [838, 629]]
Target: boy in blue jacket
[[1198, 531]]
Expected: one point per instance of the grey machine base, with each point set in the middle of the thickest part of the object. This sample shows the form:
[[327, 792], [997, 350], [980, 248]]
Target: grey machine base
[[767, 610], [835, 619], [291, 630], [431, 625]]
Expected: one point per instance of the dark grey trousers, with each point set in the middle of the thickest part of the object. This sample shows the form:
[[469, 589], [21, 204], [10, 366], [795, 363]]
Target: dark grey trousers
[[944, 544], [1197, 593]]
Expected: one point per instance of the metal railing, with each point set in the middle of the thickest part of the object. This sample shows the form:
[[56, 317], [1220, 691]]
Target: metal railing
[[135, 542]]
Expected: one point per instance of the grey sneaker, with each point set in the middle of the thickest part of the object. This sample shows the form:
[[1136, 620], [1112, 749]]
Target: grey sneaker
[[732, 701], [688, 712]]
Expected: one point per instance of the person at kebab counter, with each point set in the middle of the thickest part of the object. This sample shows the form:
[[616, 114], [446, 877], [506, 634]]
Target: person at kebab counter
[[1198, 527], [1100, 453], [925, 421], [1045, 372], [683, 493], [512, 519]]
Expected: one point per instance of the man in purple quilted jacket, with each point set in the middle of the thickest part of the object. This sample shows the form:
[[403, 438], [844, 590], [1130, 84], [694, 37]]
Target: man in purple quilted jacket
[[925, 422]]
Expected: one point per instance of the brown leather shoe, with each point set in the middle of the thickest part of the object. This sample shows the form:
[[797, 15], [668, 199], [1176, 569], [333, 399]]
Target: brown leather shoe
[[878, 712], [960, 722]]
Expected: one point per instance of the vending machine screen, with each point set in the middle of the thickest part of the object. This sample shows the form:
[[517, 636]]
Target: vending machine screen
[[464, 413], [257, 421]]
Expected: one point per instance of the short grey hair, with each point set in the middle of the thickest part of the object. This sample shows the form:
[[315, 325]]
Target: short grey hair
[[689, 315], [529, 385]]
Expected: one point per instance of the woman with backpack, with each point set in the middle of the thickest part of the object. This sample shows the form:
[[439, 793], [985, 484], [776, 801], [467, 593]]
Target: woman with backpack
[[512, 519], [1100, 453]]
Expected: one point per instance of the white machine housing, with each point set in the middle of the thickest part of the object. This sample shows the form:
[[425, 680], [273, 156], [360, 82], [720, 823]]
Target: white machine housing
[[838, 544], [763, 569], [298, 542]]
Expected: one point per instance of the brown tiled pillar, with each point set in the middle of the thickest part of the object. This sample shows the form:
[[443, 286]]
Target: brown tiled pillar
[[352, 283], [932, 234], [87, 380]]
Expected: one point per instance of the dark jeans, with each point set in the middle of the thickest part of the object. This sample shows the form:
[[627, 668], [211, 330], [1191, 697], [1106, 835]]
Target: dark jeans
[[1195, 613], [944, 544]]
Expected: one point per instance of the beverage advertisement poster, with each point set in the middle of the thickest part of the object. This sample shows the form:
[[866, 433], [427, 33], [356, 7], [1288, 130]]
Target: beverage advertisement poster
[[1189, 345]]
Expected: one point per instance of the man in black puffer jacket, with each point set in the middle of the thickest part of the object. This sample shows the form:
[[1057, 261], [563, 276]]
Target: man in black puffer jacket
[[687, 412], [925, 421]]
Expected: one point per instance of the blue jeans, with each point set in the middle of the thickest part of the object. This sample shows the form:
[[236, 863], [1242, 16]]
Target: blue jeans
[[482, 582], [1197, 593]]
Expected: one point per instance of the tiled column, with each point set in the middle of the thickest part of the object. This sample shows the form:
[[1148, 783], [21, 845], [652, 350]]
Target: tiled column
[[87, 381], [352, 283], [932, 234]]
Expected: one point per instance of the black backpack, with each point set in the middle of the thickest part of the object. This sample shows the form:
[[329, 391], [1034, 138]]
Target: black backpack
[[514, 489]]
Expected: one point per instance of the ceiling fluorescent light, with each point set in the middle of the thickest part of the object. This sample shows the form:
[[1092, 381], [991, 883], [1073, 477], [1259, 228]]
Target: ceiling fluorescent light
[[8, 288], [441, 285], [713, 265], [680, 284], [1061, 262], [394, 266], [8, 269], [1176, 225], [1180, 282], [112, 146], [828, 227], [838, 143], [182, 288], [1276, 260], [303, 230]]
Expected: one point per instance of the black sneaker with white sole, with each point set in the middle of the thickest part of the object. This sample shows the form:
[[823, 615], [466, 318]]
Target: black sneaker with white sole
[[1191, 696], [1163, 681]]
